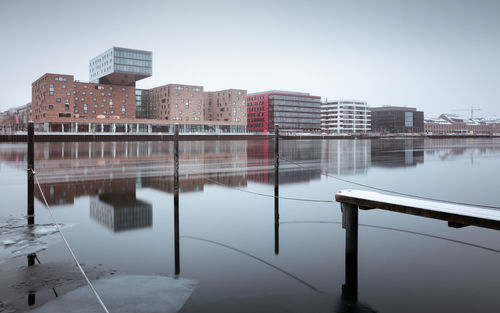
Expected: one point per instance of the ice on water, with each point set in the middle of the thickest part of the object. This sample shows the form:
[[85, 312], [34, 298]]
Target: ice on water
[[18, 239], [124, 294]]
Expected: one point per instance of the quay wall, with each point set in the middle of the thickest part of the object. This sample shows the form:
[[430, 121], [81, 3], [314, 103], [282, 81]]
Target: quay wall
[[68, 137]]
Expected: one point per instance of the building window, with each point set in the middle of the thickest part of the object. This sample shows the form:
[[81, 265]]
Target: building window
[[63, 86], [85, 86], [58, 99], [51, 107]]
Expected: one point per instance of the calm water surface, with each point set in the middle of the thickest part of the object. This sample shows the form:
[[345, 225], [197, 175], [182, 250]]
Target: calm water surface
[[116, 203]]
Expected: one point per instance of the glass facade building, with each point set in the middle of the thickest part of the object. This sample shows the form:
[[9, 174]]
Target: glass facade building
[[121, 66], [142, 103], [392, 119], [293, 111]]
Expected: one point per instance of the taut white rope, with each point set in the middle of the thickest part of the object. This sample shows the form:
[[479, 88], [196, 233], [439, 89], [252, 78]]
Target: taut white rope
[[67, 245]]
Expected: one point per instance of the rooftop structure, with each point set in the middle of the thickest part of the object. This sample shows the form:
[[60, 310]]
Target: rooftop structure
[[121, 66]]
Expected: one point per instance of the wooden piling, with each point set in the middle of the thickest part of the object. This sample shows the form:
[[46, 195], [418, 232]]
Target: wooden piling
[[276, 190], [176, 199], [350, 224], [31, 176]]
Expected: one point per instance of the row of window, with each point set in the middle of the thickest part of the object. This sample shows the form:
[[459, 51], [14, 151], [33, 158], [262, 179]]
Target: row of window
[[255, 98], [133, 55], [179, 118]]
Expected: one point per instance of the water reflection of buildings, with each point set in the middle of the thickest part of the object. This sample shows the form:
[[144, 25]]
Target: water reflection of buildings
[[345, 157], [121, 211], [299, 162], [70, 170], [67, 171], [397, 152]]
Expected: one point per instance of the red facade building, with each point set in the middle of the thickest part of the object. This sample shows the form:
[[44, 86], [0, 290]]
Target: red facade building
[[292, 111]]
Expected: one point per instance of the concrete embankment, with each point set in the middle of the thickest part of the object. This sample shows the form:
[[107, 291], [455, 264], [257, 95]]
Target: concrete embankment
[[47, 137], [72, 137]]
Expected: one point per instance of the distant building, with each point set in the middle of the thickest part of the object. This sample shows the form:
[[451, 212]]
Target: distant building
[[15, 119], [59, 102], [292, 111], [345, 116], [121, 66], [199, 110], [111, 103], [454, 124], [390, 119]]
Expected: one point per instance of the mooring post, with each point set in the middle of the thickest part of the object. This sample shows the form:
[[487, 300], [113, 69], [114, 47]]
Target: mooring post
[[31, 175], [176, 198], [350, 224], [31, 183], [276, 189]]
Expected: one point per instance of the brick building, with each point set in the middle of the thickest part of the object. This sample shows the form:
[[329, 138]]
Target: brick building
[[110, 101], [454, 124]]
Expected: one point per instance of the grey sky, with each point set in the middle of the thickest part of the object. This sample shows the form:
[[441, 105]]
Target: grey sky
[[434, 55]]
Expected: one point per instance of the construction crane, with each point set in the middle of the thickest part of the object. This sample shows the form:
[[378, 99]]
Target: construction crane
[[472, 109]]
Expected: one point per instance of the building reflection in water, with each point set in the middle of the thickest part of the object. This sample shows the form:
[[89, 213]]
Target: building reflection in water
[[119, 211], [345, 157], [70, 170], [397, 152], [299, 163]]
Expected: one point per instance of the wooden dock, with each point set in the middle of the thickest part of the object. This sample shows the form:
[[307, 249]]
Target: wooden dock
[[455, 214]]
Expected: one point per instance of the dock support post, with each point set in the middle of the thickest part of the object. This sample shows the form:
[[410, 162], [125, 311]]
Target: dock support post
[[31, 177], [31, 183], [176, 198], [350, 224], [276, 190]]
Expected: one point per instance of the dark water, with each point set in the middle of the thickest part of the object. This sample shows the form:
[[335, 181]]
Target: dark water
[[116, 203]]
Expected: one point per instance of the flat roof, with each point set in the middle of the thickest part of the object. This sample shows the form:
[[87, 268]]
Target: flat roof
[[280, 92], [392, 108]]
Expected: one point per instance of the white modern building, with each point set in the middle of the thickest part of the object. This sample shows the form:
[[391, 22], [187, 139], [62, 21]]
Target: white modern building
[[345, 116]]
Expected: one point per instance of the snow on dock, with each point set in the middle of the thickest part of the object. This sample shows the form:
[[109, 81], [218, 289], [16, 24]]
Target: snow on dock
[[457, 215]]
